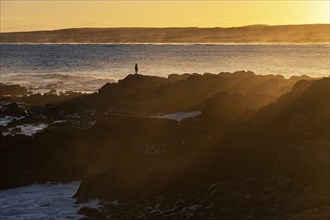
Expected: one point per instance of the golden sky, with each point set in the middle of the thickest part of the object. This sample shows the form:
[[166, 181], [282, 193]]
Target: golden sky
[[26, 15]]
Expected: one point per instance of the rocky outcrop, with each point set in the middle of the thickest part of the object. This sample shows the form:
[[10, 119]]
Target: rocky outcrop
[[12, 90], [251, 198], [222, 109], [12, 109], [263, 140], [301, 113], [257, 143], [308, 162], [319, 213], [53, 154], [294, 131], [152, 95]]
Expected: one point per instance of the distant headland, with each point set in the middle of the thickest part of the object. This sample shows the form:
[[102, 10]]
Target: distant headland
[[307, 33]]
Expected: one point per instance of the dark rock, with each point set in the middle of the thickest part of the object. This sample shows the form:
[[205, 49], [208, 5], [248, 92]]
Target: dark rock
[[179, 202], [298, 126], [249, 218], [51, 111], [89, 212], [319, 213], [3, 129], [86, 218], [16, 130], [242, 150], [33, 118], [192, 216], [155, 214], [152, 95], [13, 109], [102, 185], [224, 108], [195, 208], [284, 185]]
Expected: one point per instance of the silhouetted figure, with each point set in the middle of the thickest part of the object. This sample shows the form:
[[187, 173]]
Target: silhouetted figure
[[136, 68]]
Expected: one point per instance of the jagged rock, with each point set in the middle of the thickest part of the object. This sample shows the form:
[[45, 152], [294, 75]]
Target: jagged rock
[[30, 119], [154, 95], [89, 212], [13, 109], [162, 167], [51, 111]]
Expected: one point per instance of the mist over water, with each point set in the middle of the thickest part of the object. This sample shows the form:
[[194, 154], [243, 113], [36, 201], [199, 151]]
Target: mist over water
[[86, 67]]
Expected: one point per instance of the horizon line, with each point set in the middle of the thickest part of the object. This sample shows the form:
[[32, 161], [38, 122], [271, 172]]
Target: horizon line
[[123, 27]]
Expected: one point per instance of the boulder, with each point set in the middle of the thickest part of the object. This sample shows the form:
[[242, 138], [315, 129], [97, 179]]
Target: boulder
[[51, 111], [13, 109], [89, 212]]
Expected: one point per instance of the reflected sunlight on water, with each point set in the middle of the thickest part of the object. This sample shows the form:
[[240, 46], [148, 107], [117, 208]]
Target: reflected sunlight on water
[[86, 67]]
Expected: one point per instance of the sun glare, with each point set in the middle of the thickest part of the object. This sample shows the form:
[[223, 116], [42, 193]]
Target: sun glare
[[323, 10], [40, 15]]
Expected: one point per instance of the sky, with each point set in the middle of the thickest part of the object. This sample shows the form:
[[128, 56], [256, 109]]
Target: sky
[[26, 15]]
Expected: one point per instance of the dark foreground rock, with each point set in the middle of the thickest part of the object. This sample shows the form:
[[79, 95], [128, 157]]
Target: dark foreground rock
[[262, 143], [288, 159], [12, 109], [252, 198], [257, 149], [90, 212]]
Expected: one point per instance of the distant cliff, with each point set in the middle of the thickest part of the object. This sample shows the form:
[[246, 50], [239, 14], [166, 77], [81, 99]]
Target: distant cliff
[[313, 33]]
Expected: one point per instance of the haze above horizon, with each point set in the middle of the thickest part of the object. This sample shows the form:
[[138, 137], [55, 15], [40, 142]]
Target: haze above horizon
[[50, 15]]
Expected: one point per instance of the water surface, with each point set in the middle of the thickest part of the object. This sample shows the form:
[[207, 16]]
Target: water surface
[[41, 202], [86, 67]]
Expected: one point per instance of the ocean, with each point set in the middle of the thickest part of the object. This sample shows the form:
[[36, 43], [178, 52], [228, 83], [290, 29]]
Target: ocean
[[41, 202], [86, 67]]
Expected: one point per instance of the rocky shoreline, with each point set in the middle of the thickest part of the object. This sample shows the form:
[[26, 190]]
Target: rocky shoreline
[[252, 198], [213, 146]]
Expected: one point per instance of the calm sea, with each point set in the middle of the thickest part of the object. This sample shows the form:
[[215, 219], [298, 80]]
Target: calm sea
[[86, 67]]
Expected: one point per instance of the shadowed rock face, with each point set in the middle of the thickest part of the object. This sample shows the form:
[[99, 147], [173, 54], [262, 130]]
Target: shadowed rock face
[[290, 136], [243, 143], [299, 114], [223, 109], [12, 109]]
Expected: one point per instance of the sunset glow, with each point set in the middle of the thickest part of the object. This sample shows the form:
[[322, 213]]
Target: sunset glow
[[44, 15]]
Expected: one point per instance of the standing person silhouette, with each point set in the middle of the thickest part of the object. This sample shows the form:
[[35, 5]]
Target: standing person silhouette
[[136, 68]]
